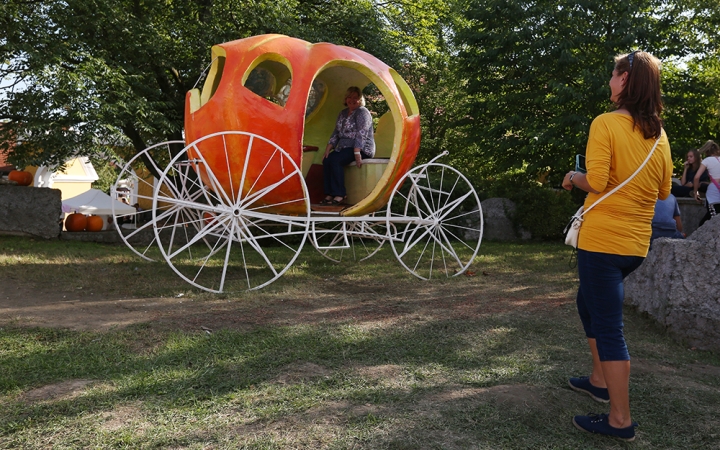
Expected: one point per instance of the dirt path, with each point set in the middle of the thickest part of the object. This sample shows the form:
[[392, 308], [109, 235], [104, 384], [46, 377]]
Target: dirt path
[[23, 306]]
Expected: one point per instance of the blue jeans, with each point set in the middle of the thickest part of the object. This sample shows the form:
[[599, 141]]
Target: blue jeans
[[600, 300], [333, 172]]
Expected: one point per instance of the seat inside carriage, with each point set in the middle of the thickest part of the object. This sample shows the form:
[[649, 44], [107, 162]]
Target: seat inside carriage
[[271, 80]]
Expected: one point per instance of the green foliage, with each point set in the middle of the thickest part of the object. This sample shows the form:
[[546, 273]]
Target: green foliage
[[109, 73], [692, 105], [542, 211], [505, 85], [540, 77], [538, 72], [107, 171]]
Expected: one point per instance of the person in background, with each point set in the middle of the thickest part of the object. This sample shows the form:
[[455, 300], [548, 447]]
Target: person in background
[[666, 221], [692, 164], [711, 164], [615, 235], [352, 140]]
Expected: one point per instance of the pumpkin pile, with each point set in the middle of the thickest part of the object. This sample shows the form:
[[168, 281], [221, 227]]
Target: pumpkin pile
[[80, 222]]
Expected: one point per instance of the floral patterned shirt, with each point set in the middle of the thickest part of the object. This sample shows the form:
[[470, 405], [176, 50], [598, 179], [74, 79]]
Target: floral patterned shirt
[[354, 130]]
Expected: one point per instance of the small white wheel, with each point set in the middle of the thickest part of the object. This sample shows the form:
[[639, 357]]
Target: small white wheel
[[136, 229], [231, 239], [356, 240], [439, 221]]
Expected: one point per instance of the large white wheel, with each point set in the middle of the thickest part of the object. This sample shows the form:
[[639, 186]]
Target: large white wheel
[[439, 221], [136, 230], [231, 239], [354, 241]]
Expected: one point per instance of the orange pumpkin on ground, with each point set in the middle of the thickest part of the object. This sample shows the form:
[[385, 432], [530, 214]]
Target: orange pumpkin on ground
[[21, 177], [75, 222], [94, 223]]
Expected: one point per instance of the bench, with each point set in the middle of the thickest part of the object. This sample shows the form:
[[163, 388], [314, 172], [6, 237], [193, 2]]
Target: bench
[[360, 182]]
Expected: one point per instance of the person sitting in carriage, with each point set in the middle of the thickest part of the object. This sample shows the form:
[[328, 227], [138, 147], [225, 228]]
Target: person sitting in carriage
[[352, 140]]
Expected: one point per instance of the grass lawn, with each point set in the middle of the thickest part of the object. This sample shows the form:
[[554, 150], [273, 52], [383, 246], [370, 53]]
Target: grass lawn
[[335, 356]]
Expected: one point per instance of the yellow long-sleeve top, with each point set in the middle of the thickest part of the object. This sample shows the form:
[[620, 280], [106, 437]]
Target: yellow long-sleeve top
[[621, 224]]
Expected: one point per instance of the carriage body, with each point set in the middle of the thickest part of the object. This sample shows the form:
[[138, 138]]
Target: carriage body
[[305, 118], [233, 209]]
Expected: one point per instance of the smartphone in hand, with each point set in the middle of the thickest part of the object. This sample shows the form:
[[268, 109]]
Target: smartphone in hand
[[580, 164]]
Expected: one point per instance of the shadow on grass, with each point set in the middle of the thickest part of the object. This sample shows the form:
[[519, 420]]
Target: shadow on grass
[[499, 381]]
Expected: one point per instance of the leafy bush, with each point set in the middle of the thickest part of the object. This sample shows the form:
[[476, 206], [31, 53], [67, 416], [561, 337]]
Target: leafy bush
[[541, 210]]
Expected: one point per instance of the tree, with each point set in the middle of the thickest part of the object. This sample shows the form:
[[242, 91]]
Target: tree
[[425, 28], [692, 105], [98, 75], [537, 71], [692, 86]]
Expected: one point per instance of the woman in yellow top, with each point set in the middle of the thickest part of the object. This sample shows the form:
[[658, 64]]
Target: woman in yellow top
[[615, 235]]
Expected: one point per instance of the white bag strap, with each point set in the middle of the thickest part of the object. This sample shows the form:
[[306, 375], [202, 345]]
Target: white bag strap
[[626, 181]]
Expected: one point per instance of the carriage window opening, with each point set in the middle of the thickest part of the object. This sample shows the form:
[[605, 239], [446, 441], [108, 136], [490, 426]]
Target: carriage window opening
[[375, 102], [270, 80], [315, 97], [213, 78]]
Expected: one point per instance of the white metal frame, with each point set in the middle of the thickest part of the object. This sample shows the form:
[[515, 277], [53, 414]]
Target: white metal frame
[[201, 230]]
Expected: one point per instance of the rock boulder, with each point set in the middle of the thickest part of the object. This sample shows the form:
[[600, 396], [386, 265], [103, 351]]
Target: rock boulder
[[678, 285], [498, 225]]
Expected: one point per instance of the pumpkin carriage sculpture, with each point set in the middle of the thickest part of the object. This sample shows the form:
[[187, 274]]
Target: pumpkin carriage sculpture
[[234, 208]]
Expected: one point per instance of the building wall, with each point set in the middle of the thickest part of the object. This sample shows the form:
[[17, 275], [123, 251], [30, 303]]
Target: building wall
[[78, 176]]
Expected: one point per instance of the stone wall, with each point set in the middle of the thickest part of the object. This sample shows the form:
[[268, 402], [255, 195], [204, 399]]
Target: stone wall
[[678, 286], [690, 213], [30, 210]]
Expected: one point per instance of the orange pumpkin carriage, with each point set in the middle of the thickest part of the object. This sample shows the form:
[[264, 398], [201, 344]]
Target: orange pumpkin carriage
[[234, 208]]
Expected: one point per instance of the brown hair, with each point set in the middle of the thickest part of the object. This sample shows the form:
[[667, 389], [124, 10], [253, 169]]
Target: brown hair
[[711, 148], [697, 159], [641, 93]]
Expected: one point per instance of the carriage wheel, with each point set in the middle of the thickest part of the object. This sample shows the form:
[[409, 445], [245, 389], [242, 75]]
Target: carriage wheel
[[229, 239], [439, 221], [356, 241], [135, 229]]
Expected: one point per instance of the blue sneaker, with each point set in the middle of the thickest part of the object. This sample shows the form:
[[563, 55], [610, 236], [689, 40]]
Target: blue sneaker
[[583, 384], [599, 424]]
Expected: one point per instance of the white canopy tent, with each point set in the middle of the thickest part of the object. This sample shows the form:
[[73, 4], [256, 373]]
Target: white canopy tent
[[96, 202]]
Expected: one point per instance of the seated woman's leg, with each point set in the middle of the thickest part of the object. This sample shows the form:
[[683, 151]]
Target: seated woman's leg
[[681, 191], [333, 171]]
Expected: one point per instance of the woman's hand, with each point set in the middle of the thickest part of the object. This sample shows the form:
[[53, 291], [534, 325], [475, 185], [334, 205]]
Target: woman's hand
[[683, 179], [567, 184], [358, 158], [697, 196], [579, 180], [328, 149]]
